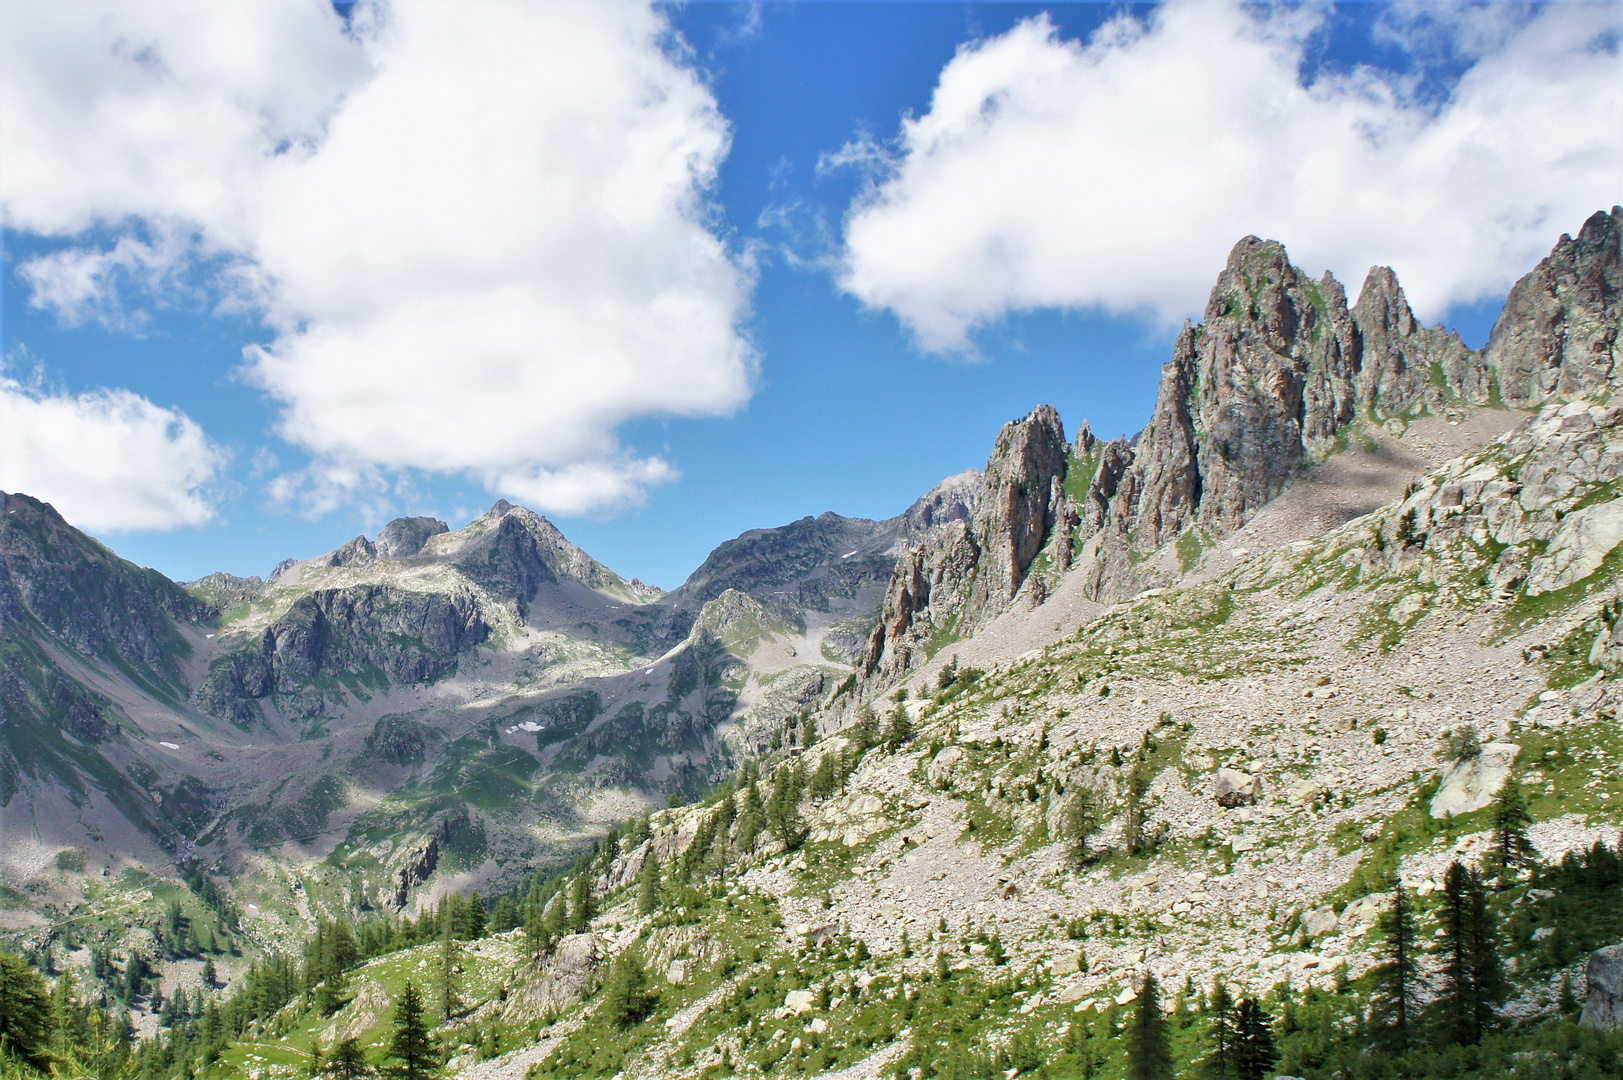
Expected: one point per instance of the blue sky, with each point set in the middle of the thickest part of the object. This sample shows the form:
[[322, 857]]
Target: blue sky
[[869, 277]]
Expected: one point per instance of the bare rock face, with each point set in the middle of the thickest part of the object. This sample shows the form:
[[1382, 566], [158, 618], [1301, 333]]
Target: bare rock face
[[967, 571], [358, 552], [1557, 337], [1278, 367], [1273, 372], [1017, 505], [1403, 362], [405, 537], [1603, 1007], [954, 499]]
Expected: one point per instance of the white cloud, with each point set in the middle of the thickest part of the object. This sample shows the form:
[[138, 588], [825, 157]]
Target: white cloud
[[109, 461], [1118, 172], [481, 231]]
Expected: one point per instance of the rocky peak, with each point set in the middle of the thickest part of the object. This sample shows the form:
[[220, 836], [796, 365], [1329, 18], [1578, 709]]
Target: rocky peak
[[404, 537], [1017, 503], [358, 552], [54, 576], [1557, 337], [966, 571], [521, 552], [1402, 362], [953, 499], [813, 563]]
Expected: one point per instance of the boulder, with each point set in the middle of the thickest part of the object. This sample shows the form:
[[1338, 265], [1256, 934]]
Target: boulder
[[1235, 788], [799, 1002], [1471, 785], [1365, 909], [942, 765], [1320, 921], [1603, 1008], [1304, 792]]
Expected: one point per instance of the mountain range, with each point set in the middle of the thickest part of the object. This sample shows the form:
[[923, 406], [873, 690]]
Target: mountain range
[[1340, 537]]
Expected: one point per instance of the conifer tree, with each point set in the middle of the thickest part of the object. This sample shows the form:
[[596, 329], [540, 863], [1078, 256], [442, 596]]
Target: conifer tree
[[627, 997], [1396, 984], [648, 884], [535, 931], [412, 1044], [900, 730], [473, 919], [1473, 977], [25, 1012], [505, 917], [581, 907], [1149, 1046], [348, 1062], [1219, 1062], [448, 985], [1254, 1053], [1510, 849], [1081, 822]]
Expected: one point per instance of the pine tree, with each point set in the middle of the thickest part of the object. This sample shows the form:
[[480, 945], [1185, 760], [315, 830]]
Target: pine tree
[[348, 1062], [648, 884], [505, 917], [1219, 1063], [1149, 1046], [535, 933], [25, 1012], [627, 998], [1254, 1053], [900, 731], [1473, 978], [1510, 849], [473, 919], [412, 1044], [449, 986], [1396, 985], [581, 907], [1081, 822]]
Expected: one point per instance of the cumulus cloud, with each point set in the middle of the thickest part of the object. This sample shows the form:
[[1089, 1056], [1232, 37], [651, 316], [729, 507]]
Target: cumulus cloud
[[1116, 173], [481, 232], [109, 461]]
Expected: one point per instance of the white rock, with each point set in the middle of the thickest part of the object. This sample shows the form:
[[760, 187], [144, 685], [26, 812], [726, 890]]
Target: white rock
[[1471, 785], [799, 1002], [1580, 544], [1320, 921], [1234, 788]]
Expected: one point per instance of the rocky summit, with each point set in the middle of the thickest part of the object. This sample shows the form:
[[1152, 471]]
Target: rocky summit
[[1280, 739]]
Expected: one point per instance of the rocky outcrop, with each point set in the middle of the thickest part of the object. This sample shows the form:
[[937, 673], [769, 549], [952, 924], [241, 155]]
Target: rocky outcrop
[[814, 563], [1402, 362], [1557, 337], [1017, 506], [967, 572], [358, 552], [405, 537], [54, 577], [364, 630], [954, 499], [1471, 784], [1234, 788], [1603, 1005]]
